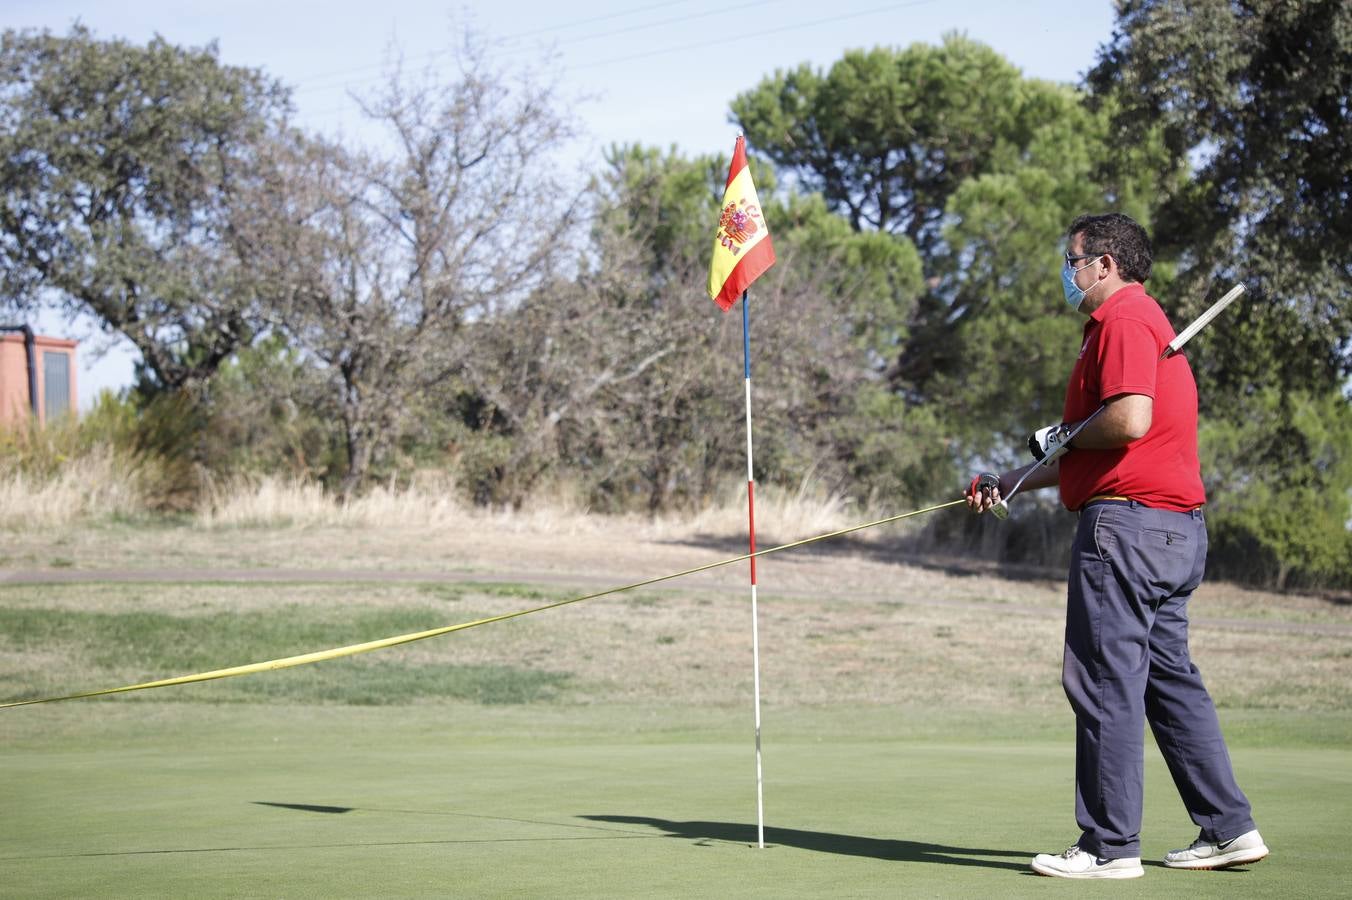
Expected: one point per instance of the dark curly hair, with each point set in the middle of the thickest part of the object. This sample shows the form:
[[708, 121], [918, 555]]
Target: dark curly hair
[[1118, 236]]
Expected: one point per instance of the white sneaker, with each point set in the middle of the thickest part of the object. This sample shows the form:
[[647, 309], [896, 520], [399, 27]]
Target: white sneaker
[[1075, 863], [1247, 848]]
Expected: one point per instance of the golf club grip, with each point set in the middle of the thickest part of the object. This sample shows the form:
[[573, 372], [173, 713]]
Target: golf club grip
[[1202, 321]]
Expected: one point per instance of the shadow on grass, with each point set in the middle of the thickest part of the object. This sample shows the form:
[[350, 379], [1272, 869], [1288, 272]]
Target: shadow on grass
[[306, 807], [453, 813], [828, 842], [890, 552]]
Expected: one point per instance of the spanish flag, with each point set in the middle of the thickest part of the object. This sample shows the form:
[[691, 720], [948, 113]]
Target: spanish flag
[[742, 248]]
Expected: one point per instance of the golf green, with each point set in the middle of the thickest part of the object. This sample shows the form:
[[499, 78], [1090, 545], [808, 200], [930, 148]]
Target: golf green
[[114, 798]]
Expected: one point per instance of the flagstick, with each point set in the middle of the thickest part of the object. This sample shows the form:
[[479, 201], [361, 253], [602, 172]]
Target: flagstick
[[751, 525]]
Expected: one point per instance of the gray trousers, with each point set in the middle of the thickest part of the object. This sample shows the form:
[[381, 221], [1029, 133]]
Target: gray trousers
[[1132, 571]]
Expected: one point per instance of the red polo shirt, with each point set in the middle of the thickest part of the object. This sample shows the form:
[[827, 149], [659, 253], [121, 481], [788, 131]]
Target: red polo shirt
[[1123, 341]]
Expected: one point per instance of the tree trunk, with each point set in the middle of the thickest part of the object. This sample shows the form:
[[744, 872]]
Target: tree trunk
[[1283, 572], [359, 451]]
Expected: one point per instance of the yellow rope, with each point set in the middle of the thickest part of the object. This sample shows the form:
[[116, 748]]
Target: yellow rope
[[353, 649]]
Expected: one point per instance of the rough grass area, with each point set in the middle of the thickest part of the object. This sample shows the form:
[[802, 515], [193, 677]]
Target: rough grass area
[[89, 487], [939, 645], [43, 646]]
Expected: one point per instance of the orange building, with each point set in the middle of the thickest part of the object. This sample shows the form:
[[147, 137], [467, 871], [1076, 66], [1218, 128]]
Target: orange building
[[37, 376]]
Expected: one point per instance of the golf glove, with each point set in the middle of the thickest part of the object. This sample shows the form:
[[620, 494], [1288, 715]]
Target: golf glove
[[1050, 442], [985, 482]]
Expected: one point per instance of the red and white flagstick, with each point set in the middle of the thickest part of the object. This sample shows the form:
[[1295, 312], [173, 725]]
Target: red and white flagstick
[[742, 252], [751, 528]]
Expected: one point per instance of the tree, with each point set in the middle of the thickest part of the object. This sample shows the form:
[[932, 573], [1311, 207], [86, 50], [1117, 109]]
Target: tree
[[119, 169], [886, 135], [1257, 93], [379, 266], [269, 411], [625, 380], [576, 382], [994, 341], [1279, 479], [666, 433]]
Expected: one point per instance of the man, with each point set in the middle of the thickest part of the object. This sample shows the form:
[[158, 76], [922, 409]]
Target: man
[[1140, 548]]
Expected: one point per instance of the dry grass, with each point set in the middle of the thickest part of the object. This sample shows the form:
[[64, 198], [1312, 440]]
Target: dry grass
[[270, 502], [100, 484], [681, 647], [430, 500], [95, 485], [780, 513]]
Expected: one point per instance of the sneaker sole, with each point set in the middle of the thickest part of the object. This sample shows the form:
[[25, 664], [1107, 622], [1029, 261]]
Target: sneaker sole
[[1108, 873], [1239, 858]]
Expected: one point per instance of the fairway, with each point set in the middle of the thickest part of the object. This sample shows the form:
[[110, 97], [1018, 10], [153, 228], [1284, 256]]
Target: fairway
[[916, 742]]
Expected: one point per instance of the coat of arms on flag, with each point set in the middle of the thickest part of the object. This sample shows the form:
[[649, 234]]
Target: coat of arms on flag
[[738, 224], [742, 247]]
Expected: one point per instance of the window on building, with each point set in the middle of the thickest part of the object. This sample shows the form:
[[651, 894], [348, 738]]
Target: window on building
[[56, 385]]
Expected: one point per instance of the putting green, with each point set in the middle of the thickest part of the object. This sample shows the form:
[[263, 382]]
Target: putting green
[[110, 798]]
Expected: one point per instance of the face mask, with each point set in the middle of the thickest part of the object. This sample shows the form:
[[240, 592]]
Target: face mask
[[1074, 296]]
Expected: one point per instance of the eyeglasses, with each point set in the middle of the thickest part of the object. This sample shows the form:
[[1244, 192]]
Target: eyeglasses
[[1071, 260]]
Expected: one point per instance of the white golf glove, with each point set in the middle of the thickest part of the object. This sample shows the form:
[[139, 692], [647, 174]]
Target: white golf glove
[[1050, 442]]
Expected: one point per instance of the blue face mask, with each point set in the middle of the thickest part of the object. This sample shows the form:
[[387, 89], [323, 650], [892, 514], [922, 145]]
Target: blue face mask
[[1074, 296]]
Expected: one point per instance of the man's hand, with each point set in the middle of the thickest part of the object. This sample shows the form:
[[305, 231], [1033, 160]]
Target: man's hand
[[1048, 443], [983, 493]]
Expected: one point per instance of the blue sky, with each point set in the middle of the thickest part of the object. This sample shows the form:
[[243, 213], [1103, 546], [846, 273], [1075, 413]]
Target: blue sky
[[653, 73]]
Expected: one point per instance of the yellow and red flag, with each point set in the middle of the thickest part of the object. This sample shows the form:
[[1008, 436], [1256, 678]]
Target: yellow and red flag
[[742, 247]]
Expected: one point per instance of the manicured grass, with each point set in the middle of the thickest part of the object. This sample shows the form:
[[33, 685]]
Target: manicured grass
[[170, 799]]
